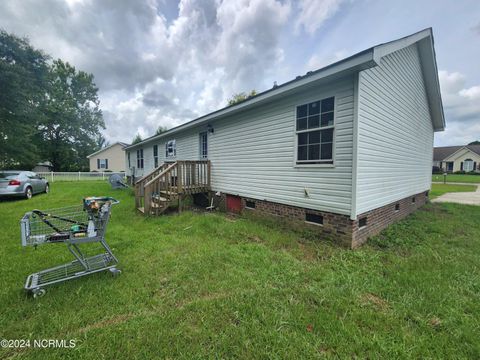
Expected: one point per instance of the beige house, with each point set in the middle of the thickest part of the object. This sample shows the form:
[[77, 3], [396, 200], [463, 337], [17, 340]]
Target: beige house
[[111, 158], [457, 158]]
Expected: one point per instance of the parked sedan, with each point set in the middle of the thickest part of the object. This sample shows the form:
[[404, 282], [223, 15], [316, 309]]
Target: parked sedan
[[22, 183]]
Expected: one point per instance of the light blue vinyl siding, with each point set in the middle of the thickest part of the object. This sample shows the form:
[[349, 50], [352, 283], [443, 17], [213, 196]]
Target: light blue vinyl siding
[[252, 153], [395, 132]]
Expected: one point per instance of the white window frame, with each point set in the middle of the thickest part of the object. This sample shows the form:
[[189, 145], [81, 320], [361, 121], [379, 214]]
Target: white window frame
[[331, 163], [173, 154], [201, 135], [469, 161], [103, 163], [155, 156], [140, 159]]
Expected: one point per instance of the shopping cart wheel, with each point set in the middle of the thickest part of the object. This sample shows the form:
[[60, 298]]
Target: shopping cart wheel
[[38, 293], [115, 271]]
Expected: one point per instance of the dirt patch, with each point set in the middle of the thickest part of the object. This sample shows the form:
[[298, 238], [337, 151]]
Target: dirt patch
[[203, 297], [309, 253], [375, 300], [255, 238], [107, 322], [435, 322]]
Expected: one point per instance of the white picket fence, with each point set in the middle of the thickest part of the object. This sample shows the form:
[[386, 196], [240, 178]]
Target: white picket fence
[[53, 176]]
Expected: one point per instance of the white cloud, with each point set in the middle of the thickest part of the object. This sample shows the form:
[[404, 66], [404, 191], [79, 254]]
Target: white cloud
[[151, 71], [462, 109], [313, 13], [472, 93]]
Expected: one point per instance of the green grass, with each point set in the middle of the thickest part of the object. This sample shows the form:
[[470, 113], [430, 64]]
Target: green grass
[[459, 178], [211, 286], [440, 189]]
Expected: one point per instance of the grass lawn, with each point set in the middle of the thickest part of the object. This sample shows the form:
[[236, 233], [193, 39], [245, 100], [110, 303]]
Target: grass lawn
[[208, 285], [474, 179], [440, 189]]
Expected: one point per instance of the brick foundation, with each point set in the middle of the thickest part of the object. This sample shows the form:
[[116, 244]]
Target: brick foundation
[[378, 219], [339, 228]]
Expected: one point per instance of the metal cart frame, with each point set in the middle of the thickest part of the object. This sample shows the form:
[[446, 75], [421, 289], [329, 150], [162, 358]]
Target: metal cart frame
[[73, 226]]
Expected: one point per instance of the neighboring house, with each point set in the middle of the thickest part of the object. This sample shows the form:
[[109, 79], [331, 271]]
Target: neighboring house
[[111, 158], [45, 166], [348, 147], [457, 158]]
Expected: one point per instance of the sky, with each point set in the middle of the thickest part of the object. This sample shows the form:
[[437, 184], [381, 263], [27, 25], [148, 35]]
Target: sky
[[165, 62]]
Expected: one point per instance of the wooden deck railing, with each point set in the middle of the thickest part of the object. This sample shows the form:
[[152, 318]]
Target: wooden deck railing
[[171, 181]]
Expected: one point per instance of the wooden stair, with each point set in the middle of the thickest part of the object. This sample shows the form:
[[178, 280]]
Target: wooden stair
[[170, 183]]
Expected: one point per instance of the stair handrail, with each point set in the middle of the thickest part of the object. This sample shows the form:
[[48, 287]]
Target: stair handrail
[[145, 177], [168, 169]]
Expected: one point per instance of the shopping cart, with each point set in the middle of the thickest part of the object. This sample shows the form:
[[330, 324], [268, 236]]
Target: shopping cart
[[74, 226]]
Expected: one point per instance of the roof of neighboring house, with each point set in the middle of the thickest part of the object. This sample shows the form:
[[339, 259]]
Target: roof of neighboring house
[[122, 144], [363, 60], [441, 153]]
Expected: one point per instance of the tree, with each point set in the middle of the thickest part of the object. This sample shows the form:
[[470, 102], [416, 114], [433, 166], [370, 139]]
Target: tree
[[23, 72], [476, 142], [72, 120], [101, 142], [137, 139], [161, 129], [238, 98]]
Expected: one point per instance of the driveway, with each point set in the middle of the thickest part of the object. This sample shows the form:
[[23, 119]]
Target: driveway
[[468, 198]]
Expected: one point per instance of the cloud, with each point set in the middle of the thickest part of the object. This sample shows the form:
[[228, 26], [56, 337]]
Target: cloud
[[462, 109], [152, 70], [313, 13], [461, 103], [159, 62]]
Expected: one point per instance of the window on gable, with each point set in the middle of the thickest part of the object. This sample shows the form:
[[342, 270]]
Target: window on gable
[[170, 148], [140, 158], [155, 155], [315, 131]]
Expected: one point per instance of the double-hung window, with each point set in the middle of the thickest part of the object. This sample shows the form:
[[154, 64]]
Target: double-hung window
[[140, 159], [315, 131], [102, 163], [155, 155], [170, 149]]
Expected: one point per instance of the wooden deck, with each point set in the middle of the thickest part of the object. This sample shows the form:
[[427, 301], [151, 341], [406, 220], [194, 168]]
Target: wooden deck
[[170, 182]]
